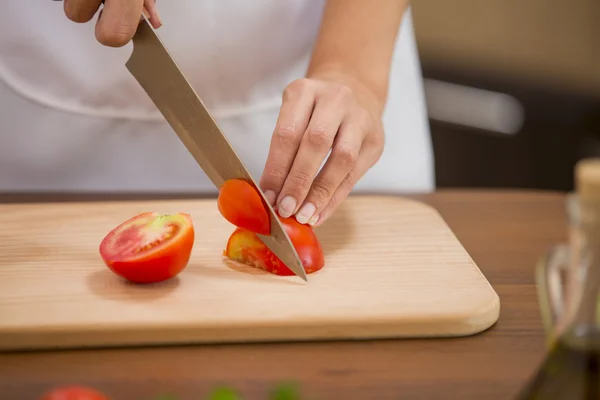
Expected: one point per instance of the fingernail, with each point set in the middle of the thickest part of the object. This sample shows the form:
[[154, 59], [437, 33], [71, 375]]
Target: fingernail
[[314, 220], [158, 18], [287, 206], [305, 213], [271, 196]]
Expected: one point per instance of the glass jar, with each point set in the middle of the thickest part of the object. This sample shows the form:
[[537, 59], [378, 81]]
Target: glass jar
[[568, 284]]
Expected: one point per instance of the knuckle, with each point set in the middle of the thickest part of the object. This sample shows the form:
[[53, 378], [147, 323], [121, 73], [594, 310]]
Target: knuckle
[[285, 130], [300, 180], [273, 176], [318, 136], [345, 155], [337, 197], [343, 93], [295, 89], [321, 192], [333, 203], [349, 179], [286, 135]]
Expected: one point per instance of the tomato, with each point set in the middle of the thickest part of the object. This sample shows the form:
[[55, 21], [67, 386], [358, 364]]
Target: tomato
[[74, 393], [149, 247], [247, 248], [241, 204]]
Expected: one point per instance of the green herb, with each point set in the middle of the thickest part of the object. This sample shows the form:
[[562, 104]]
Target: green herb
[[285, 392], [282, 392], [224, 393]]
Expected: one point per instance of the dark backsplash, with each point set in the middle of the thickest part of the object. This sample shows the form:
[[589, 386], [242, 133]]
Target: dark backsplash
[[559, 129]]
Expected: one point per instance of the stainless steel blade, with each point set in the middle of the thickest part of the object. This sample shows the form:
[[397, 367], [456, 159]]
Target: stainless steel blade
[[158, 74]]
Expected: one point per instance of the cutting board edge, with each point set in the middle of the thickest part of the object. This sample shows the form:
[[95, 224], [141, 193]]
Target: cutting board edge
[[344, 330], [482, 311], [81, 340]]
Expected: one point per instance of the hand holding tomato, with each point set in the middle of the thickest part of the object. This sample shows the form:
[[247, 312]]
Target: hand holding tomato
[[326, 112]]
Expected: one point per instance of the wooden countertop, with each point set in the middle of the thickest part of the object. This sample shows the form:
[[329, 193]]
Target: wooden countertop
[[504, 231]]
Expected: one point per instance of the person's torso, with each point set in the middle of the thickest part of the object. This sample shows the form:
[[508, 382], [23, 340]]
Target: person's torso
[[74, 118]]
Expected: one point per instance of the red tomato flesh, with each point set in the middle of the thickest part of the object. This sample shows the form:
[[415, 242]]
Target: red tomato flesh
[[74, 393], [149, 247], [247, 248], [241, 204]]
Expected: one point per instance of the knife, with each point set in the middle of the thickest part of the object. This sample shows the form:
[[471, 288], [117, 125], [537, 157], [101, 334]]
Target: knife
[[153, 67]]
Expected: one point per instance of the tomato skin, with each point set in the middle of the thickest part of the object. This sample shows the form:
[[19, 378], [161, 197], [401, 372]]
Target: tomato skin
[[246, 247], [160, 258], [240, 203], [74, 393]]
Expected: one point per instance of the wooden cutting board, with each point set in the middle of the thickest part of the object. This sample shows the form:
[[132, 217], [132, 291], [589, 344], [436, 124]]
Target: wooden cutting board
[[393, 268]]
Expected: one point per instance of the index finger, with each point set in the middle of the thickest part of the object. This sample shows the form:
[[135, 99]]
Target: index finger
[[293, 119], [81, 10]]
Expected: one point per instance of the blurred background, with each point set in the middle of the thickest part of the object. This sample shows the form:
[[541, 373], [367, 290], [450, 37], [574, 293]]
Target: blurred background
[[513, 89]]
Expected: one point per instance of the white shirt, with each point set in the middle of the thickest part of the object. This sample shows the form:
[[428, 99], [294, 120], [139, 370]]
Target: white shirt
[[72, 118]]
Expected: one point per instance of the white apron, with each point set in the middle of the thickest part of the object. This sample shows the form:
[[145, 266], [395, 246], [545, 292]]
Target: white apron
[[72, 118]]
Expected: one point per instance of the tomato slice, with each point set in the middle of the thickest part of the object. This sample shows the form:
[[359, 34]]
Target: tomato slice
[[149, 247], [247, 248], [74, 393], [241, 204]]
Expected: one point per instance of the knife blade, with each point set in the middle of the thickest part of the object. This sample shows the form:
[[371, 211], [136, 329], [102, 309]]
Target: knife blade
[[155, 70]]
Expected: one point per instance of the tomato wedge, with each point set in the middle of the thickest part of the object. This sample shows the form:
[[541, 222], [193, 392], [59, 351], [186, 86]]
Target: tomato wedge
[[149, 247], [74, 393], [240, 203], [247, 248]]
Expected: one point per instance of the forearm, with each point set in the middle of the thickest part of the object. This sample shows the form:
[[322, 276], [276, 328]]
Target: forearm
[[357, 39]]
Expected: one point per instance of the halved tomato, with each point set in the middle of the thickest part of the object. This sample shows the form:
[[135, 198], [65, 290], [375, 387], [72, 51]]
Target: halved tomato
[[240, 203], [247, 248], [74, 393], [149, 247]]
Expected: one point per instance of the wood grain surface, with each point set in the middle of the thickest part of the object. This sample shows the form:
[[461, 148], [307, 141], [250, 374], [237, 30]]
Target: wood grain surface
[[504, 232], [393, 269]]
